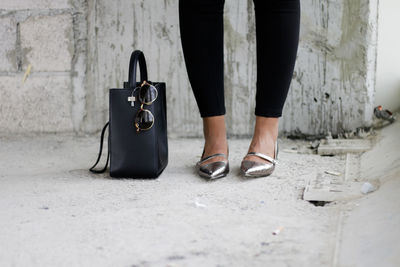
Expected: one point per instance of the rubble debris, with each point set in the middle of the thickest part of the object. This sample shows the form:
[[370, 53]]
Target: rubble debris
[[199, 205], [367, 187], [27, 72], [294, 151], [324, 188], [329, 136], [278, 230], [314, 144], [384, 114], [343, 146], [333, 173]]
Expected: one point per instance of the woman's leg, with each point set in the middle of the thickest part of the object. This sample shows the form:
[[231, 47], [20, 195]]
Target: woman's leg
[[201, 28], [277, 32]]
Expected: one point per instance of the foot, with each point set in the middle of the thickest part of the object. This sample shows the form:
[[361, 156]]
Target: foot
[[264, 138], [215, 138]]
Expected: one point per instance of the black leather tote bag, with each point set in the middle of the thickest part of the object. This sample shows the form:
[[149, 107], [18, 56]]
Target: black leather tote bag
[[136, 153]]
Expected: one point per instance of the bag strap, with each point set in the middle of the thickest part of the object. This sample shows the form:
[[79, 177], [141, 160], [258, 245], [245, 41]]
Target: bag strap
[[100, 151], [137, 56]]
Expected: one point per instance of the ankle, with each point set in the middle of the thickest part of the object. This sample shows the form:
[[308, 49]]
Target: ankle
[[214, 126], [214, 130], [214, 145], [266, 128]]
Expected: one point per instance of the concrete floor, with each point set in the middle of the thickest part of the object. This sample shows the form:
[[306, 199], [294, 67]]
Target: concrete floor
[[54, 212]]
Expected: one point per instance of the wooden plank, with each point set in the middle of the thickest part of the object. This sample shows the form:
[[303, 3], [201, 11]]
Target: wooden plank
[[343, 146], [326, 187]]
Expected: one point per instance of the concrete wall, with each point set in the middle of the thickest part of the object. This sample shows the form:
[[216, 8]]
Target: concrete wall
[[78, 49], [388, 61], [46, 36]]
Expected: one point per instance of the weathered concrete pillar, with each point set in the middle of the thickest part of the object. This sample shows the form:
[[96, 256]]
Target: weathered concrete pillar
[[334, 81]]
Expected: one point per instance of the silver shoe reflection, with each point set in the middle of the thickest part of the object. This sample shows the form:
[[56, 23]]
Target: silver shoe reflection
[[213, 170], [257, 169]]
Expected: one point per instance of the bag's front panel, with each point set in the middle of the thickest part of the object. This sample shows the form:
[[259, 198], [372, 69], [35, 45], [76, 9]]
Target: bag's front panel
[[132, 154]]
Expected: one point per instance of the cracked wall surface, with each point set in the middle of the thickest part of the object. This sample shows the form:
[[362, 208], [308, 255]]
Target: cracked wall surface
[[41, 39], [78, 49]]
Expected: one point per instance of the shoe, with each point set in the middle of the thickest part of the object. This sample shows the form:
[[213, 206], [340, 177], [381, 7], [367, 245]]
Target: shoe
[[257, 169], [213, 170]]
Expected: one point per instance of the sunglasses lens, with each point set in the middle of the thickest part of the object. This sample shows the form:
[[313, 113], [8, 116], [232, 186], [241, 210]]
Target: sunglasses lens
[[144, 119], [148, 93]]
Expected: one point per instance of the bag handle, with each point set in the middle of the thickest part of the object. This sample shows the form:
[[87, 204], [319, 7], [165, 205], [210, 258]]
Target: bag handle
[[100, 151], [137, 56]]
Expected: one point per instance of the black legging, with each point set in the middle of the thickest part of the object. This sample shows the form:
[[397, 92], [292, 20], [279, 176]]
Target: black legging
[[277, 33]]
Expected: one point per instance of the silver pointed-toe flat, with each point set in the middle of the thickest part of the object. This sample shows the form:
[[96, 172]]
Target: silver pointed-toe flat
[[213, 170], [257, 169]]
